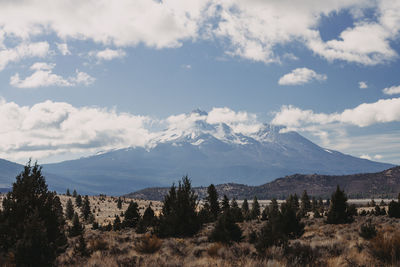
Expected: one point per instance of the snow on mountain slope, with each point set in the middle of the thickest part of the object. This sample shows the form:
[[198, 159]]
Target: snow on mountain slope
[[209, 152]]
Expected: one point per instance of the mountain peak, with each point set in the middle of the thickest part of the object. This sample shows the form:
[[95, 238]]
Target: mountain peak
[[199, 112]]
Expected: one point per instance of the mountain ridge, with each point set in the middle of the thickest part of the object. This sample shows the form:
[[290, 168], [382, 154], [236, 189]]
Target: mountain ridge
[[209, 152], [385, 184]]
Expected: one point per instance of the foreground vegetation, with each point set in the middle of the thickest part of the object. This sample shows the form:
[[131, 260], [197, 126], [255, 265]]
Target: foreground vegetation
[[39, 228]]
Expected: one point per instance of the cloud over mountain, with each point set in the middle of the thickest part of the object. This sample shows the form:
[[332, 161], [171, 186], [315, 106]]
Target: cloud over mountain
[[54, 128], [382, 111], [59, 129]]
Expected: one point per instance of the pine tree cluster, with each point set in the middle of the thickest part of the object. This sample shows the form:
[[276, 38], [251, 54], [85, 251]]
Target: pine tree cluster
[[32, 221]]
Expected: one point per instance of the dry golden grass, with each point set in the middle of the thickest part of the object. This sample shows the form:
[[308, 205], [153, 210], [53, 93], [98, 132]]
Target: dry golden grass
[[386, 246], [320, 245], [148, 244], [104, 208]]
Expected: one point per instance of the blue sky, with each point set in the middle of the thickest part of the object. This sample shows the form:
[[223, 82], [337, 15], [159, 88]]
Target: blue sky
[[78, 77]]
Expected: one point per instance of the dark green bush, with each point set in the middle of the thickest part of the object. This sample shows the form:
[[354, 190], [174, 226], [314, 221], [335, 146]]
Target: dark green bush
[[394, 209], [279, 228], [76, 228], [226, 230], [132, 215], [367, 230], [339, 211], [179, 216]]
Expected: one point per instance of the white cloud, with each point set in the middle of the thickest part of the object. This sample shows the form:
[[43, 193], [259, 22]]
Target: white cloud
[[43, 76], [301, 76], [251, 29], [379, 147], [82, 78], [374, 157], [366, 43], [63, 48], [108, 54], [50, 129], [240, 122], [362, 85], [366, 156], [392, 90], [255, 28], [53, 128], [122, 23], [290, 56], [21, 51], [382, 111]]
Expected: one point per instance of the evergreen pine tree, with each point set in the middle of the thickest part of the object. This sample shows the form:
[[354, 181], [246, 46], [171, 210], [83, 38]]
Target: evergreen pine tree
[[338, 210], [179, 217], [245, 209], [131, 215], [273, 208], [119, 203], [212, 202], [74, 193], [141, 227], [271, 211], [236, 211], [226, 230], [32, 222], [293, 201], [290, 222], [281, 226], [305, 203], [78, 201], [86, 208], [225, 203], [117, 223], [69, 211], [394, 209], [148, 217], [68, 193], [76, 228], [255, 209]]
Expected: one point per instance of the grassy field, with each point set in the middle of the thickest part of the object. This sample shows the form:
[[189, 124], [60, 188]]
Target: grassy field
[[320, 245]]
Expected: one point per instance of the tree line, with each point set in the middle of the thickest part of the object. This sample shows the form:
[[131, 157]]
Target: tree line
[[34, 228]]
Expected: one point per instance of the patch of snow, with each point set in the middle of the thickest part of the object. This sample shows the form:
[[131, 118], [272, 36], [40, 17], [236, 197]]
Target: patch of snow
[[198, 142]]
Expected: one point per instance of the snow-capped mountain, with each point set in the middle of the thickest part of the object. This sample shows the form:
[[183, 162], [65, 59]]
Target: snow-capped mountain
[[208, 153]]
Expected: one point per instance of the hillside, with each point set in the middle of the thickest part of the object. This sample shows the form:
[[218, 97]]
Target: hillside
[[366, 185], [8, 171]]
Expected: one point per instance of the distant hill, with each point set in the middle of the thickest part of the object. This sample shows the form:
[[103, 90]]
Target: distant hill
[[365, 185], [8, 171]]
